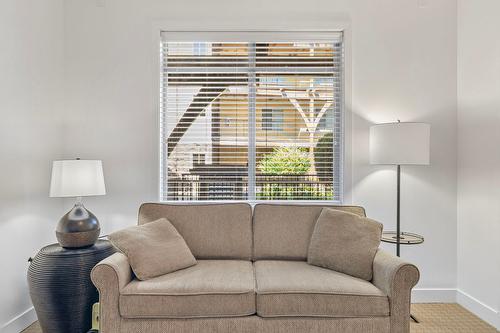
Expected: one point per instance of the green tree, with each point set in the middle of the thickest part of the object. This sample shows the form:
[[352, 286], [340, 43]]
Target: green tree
[[323, 157], [285, 161]]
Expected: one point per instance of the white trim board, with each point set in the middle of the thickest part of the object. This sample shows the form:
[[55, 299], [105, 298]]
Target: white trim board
[[340, 22], [483, 311], [434, 295], [20, 322]]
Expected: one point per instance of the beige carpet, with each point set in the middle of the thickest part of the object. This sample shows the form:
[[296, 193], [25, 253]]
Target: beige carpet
[[447, 318], [434, 318]]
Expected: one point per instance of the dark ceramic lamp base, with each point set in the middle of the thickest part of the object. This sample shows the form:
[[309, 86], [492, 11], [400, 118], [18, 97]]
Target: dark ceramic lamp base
[[78, 227]]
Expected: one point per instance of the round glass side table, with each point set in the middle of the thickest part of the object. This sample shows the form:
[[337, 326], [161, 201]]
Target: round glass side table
[[405, 238]]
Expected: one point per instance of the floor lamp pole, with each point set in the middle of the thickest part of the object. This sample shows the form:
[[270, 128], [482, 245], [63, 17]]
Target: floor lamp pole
[[398, 219], [398, 222]]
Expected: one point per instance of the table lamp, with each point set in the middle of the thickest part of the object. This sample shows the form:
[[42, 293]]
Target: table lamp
[[77, 178], [400, 144]]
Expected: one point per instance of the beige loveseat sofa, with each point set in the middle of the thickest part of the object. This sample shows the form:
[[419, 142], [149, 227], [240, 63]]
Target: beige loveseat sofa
[[251, 276]]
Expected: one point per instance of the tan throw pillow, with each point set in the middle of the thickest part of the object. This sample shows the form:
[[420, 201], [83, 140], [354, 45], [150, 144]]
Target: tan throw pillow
[[153, 249], [345, 242]]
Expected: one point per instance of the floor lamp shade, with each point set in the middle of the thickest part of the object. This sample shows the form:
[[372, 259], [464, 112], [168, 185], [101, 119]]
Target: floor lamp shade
[[400, 143]]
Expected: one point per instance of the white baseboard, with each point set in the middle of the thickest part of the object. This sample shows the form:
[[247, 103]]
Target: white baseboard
[[20, 322], [434, 295], [483, 311]]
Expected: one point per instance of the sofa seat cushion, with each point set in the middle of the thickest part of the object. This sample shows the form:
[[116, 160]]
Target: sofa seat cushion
[[211, 288], [297, 289]]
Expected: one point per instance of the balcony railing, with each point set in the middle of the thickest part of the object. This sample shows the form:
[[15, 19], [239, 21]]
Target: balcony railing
[[268, 187]]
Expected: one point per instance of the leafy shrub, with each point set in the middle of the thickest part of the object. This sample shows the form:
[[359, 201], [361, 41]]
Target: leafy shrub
[[285, 161], [323, 157]]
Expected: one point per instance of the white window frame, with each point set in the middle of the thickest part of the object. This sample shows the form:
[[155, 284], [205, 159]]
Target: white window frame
[[250, 36]]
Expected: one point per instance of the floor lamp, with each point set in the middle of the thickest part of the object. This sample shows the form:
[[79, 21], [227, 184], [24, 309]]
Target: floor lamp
[[400, 144]]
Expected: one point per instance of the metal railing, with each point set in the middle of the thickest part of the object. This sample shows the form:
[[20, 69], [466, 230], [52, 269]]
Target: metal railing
[[267, 187]]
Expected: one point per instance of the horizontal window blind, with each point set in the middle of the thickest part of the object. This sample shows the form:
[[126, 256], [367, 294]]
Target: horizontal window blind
[[251, 119]]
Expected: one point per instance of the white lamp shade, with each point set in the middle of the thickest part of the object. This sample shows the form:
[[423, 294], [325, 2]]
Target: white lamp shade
[[77, 178], [400, 143]]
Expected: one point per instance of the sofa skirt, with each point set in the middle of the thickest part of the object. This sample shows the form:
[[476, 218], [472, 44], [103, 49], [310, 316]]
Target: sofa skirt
[[252, 324]]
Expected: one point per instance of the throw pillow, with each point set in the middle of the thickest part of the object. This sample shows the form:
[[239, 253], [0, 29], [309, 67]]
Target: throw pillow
[[153, 249], [345, 242]]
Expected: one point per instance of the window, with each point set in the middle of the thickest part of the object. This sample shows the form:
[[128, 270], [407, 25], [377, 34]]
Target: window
[[198, 159], [251, 116], [272, 119], [326, 122]]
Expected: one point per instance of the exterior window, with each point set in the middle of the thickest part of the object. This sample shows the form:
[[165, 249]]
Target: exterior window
[[198, 159], [272, 120], [326, 120], [256, 119]]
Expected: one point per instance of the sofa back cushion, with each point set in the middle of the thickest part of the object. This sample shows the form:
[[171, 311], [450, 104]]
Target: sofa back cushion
[[212, 231], [345, 243], [284, 231]]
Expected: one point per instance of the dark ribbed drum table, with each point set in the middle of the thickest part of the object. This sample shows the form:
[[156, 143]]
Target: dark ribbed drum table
[[60, 286]]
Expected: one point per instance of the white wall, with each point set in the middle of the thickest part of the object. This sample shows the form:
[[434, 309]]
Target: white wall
[[31, 58], [404, 66], [100, 54], [479, 157]]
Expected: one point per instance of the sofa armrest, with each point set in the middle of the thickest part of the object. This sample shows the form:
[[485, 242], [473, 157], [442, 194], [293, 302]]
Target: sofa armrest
[[396, 278], [110, 276], [114, 271]]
